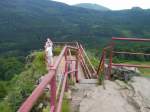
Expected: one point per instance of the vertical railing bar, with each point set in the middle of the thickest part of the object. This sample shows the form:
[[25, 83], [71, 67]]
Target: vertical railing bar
[[110, 61], [53, 93], [82, 58], [84, 66], [93, 69], [66, 68], [76, 66], [85, 71], [101, 59], [62, 94]]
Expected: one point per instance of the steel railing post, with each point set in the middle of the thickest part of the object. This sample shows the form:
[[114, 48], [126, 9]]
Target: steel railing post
[[76, 66], [53, 92], [66, 68], [110, 61], [76, 73], [104, 68]]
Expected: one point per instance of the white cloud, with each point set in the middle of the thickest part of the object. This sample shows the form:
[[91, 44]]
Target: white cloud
[[113, 4]]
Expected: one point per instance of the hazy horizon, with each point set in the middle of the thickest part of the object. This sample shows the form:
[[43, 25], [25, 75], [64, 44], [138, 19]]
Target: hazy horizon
[[112, 4]]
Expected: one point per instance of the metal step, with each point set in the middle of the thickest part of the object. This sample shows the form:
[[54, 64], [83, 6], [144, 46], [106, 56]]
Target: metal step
[[88, 81]]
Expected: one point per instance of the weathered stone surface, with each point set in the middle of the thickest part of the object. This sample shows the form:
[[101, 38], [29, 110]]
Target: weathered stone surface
[[141, 97], [118, 97], [108, 100], [79, 92]]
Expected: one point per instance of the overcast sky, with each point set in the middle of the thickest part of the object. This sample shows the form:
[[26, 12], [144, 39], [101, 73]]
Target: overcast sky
[[113, 4]]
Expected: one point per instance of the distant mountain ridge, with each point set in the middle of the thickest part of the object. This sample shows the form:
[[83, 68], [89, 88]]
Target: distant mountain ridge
[[92, 6], [25, 24]]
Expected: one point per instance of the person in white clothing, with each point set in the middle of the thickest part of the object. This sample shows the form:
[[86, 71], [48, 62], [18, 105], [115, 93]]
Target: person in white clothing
[[49, 52], [48, 42]]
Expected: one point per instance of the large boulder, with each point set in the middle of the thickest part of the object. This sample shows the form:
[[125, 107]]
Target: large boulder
[[124, 73]]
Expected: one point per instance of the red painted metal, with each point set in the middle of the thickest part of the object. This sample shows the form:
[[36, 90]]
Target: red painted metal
[[66, 70], [71, 47], [31, 100], [110, 61], [64, 43], [111, 52], [75, 70], [53, 93], [84, 63], [52, 109], [90, 64], [62, 94], [72, 74], [71, 60], [101, 67], [76, 66], [104, 59], [76, 73], [131, 53], [101, 63], [50, 79], [131, 65], [107, 48], [63, 90], [84, 70], [131, 39]]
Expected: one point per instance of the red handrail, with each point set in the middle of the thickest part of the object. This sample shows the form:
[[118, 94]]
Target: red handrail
[[82, 62], [132, 53], [49, 78], [31, 100], [130, 65], [88, 60], [131, 39], [62, 94]]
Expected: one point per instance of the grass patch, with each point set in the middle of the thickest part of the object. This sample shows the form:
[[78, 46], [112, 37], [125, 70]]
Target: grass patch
[[66, 105], [57, 50]]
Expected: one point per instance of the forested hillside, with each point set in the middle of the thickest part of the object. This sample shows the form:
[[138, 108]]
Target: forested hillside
[[92, 6], [24, 24]]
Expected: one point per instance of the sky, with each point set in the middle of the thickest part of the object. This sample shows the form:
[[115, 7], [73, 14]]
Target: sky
[[113, 4]]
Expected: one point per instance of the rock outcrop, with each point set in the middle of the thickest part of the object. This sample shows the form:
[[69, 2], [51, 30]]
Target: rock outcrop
[[118, 96], [124, 73]]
